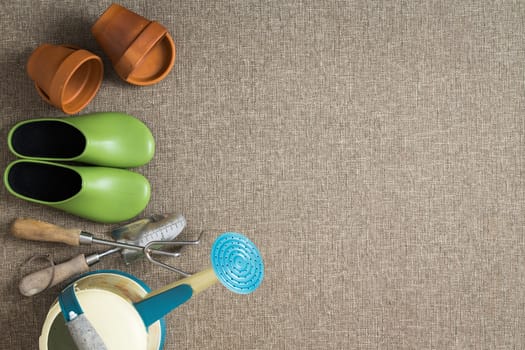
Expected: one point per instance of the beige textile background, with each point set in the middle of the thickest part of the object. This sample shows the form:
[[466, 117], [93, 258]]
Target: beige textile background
[[374, 150]]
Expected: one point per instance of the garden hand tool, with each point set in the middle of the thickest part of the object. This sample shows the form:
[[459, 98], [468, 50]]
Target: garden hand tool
[[137, 233], [158, 228]]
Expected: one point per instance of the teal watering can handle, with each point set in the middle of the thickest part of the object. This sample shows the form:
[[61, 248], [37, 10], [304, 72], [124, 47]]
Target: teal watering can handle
[[81, 330], [155, 307]]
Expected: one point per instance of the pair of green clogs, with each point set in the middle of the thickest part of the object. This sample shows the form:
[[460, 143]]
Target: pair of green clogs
[[101, 193]]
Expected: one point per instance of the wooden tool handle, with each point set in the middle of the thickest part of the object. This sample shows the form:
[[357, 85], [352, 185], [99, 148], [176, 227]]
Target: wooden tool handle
[[36, 282], [43, 231]]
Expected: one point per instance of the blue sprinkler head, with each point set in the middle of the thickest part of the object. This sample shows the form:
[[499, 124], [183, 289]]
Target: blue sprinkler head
[[237, 263]]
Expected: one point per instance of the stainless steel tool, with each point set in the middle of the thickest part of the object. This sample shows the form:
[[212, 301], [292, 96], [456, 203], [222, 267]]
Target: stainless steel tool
[[147, 252], [132, 244], [158, 228]]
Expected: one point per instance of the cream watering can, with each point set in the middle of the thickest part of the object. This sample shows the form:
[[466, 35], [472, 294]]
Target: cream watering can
[[112, 310]]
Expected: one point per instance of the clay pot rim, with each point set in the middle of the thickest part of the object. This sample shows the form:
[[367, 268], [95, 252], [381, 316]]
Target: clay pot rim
[[65, 72]]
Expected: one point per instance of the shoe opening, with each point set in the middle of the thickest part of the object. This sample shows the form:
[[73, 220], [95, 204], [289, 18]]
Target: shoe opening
[[44, 182], [48, 139]]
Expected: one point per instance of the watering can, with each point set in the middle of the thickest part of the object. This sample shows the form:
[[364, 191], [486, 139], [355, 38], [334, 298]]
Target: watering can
[[112, 310]]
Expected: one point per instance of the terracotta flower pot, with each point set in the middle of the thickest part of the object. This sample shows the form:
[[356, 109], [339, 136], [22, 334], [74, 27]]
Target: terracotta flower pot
[[64, 76], [142, 51]]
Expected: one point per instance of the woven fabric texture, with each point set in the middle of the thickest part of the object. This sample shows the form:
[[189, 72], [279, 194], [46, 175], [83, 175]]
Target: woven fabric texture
[[373, 150]]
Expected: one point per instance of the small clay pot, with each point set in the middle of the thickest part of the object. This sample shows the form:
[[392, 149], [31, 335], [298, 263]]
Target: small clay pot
[[142, 51], [65, 76]]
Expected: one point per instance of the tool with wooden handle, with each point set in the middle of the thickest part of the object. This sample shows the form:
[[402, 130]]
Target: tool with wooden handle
[[36, 230], [38, 281]]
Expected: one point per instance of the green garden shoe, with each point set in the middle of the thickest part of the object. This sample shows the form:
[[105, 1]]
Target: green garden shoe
[[100, 194], [107, 139]]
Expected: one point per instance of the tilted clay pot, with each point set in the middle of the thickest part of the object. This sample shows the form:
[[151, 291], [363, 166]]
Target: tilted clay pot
[[66, 77], [142, 51]]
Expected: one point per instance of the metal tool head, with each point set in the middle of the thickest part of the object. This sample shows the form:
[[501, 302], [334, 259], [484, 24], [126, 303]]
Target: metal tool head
[[131, 231], [179, 244], [158, 228]]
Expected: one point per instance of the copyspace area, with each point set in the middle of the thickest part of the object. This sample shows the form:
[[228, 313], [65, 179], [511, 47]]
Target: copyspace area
[[373, 150]]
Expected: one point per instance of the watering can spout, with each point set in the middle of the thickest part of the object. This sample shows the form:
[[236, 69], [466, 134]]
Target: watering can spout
[[236, 263], [164, 300], [153, 309]]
